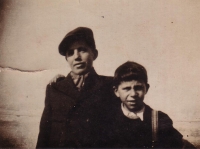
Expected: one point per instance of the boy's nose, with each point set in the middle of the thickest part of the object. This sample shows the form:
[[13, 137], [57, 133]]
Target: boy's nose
[[132, 92], [76, 54]]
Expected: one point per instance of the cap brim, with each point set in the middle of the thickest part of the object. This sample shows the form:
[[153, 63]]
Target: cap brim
[[64, 45]]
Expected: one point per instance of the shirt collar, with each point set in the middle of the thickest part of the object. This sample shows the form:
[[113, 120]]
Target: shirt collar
[[79, 80], [133, 115]]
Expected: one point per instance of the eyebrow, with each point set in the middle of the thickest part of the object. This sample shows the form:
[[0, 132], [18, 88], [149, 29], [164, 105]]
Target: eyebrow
[[135, 86], [126, 87], [70, 50], [77, 47]]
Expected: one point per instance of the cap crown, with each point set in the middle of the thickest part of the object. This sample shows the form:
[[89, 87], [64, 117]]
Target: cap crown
[[80, 33]]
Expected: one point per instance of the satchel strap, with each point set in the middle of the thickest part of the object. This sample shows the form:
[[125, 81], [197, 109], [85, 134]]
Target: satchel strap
[[154, 119]]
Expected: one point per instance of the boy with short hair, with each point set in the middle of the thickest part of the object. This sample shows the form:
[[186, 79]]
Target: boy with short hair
[[131, 121]]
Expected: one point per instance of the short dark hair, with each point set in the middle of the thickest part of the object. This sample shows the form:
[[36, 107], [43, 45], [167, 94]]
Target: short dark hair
[[130, 71]]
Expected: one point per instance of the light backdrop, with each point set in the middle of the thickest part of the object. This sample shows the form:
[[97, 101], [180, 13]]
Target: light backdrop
[[161, 35]]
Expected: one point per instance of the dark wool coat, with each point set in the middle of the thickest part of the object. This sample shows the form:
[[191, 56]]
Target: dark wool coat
[[67, 119], [123, 132]]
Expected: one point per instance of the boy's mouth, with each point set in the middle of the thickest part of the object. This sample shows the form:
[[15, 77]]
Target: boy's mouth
[[79, 65], [131, 102]]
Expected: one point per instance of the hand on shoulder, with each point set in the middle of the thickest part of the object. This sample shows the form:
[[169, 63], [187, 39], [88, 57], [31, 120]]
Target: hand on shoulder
[[56, 78]]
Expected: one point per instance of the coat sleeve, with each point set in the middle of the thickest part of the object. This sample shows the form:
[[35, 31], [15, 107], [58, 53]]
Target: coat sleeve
[[45, 123], [169, 137]]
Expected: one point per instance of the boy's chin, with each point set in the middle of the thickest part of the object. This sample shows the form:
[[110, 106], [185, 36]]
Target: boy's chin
[[135, 109]]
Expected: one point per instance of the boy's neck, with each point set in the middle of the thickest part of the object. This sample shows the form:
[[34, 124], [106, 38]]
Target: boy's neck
[[131, 114], [134, 111]]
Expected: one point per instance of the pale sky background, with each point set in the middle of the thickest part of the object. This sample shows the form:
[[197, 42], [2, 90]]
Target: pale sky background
[[161, 35]]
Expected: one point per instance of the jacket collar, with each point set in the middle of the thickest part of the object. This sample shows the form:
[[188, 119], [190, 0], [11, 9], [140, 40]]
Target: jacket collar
[[133, 115], [146, 114], [68, 87]]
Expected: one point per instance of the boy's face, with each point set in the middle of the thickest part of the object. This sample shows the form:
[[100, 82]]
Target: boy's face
[[80, 57], [132, 94]]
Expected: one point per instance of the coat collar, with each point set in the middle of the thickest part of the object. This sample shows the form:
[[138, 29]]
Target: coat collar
[[67, 86]]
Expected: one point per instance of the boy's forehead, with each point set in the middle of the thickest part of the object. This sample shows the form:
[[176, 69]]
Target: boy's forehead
[[131, 82]]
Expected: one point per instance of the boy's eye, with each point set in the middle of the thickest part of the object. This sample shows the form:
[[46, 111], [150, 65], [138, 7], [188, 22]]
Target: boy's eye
[[139, 87], [126, 88], [70, 52], [82, 49]]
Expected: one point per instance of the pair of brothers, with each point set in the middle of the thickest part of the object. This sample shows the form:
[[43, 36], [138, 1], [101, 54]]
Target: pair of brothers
[[83, 110]]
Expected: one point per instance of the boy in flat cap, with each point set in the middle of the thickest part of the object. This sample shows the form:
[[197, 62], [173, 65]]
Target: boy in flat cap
[[67, 117], [132, 123]]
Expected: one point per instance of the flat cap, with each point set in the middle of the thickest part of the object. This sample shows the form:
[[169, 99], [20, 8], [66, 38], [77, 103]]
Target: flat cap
[[80, 33]]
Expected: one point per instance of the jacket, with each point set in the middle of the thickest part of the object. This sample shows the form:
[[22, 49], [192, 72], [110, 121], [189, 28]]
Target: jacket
[[67, 119], [122, 132]]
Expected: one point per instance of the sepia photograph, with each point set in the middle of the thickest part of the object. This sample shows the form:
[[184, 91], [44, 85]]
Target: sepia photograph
[[99, 74]]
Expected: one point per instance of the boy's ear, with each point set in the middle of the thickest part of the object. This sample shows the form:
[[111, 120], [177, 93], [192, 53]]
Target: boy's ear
[[95, 52], [147, 87], [116, 91]]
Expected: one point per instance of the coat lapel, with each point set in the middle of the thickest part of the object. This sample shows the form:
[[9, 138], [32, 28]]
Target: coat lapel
[[93, 84], [67, 87]]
